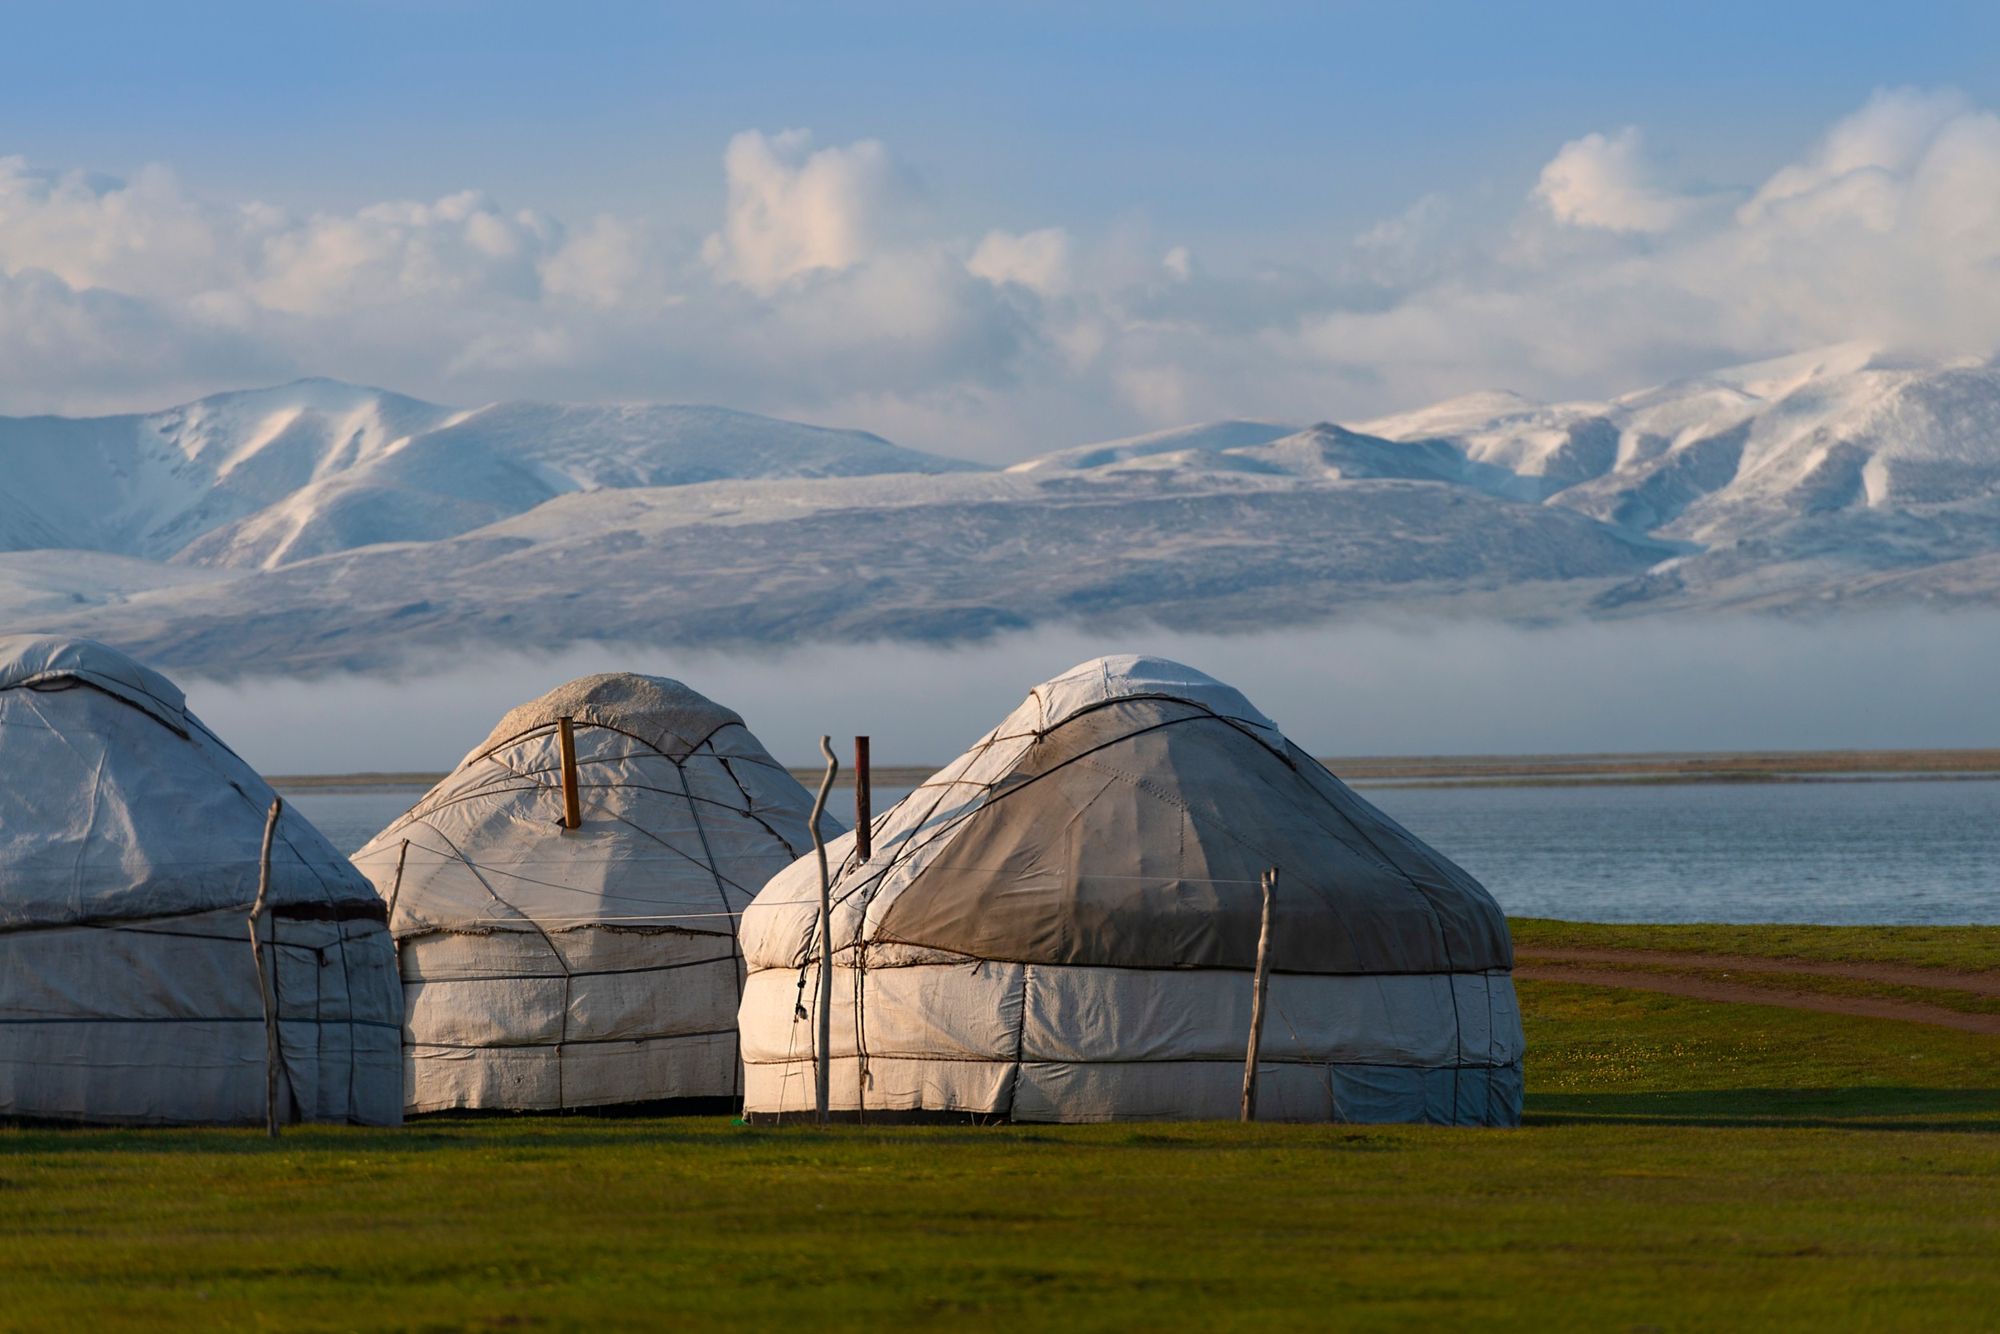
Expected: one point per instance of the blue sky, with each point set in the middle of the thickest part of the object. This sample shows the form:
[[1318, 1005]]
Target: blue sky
[[1260, 142], [1231, 118]]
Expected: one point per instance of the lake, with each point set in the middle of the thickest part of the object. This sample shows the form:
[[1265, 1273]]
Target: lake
[[1832, 852]]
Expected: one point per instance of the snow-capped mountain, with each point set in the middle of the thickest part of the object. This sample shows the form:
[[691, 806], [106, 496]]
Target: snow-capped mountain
[[320, 524], [1785, 480], [926, 557], [268, 477]]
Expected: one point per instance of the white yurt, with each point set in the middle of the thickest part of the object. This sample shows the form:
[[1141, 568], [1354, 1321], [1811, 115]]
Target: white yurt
[[547, 967], [1062, 925], [131, 846]]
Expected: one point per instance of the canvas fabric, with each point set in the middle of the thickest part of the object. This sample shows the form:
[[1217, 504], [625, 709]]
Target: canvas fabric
[[1073, 907], [130, 845], [548, 968], [123, 806]]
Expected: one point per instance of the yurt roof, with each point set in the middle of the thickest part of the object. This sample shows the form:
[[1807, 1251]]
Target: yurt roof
[[49, 662], [1100, 681], [135, 809], [1123, 816], [664, 713], [684, 816]]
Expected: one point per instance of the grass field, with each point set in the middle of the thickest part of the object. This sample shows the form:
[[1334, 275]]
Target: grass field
[[1686, 1164]]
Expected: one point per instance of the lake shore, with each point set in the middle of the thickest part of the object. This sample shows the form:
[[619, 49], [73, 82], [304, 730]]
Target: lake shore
[[1418, 771]]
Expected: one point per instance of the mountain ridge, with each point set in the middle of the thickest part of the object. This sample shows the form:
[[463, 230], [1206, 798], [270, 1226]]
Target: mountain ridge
[[265, 477], [320, 525]]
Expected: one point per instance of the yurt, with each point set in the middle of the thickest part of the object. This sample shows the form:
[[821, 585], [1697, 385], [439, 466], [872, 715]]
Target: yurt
[[131, 854], [548, 967], [1062, 925]]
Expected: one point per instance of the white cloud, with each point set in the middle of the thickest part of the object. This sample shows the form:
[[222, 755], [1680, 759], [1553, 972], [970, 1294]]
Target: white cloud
[[1862, 156], [1886, 231], [608, 264], [63, 348], [459, 247], [1605, 182], [143, 237], [1442, 687], [792, 211], [1038, 261], [822, 293]]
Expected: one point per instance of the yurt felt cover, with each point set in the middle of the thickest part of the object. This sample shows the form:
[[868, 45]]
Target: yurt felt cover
[[549, 967], [1120, 819], [130, 842], [120, 804]]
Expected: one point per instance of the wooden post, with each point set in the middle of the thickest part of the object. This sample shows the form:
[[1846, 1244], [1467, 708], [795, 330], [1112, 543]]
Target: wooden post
[[264, 989], [1263, 985], [864, 809], [396, 888], [572, 804], [823, 1041]]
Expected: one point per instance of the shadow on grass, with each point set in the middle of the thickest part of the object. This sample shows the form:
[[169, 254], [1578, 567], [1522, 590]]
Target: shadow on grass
[[1859, 1108], [516, 1136], [530, 1136], [425, 1136]]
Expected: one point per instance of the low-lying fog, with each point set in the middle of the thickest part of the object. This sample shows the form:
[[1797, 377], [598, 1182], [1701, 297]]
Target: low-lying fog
[[1907, 679]]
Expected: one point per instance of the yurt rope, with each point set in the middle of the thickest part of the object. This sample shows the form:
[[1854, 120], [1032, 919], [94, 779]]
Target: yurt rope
[[340, 941], [1325, 1066], [547, 940], [199, 735], [531, 780], [722, 895], [436, 800], [910, 848], [1444, 946]]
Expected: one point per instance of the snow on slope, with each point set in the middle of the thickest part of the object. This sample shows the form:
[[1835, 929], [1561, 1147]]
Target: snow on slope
[[265, 477], [1788, 482], [931, 557], [352, 526], [1203, 439], [1552, 445], [1320, 453], [38, 584], [146, 485], [1714, 459]]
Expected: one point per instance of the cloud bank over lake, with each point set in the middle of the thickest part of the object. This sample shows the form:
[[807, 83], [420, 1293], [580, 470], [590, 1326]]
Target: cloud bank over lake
[[1889, 680]]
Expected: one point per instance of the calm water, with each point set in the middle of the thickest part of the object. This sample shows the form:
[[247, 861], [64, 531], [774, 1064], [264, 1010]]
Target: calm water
[[1894, 852]]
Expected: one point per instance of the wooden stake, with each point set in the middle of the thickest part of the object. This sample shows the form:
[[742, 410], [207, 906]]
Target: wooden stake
[[264, 989], [572, 803], [1263, 984], [864, 810], [823, 1042], [395, 889]]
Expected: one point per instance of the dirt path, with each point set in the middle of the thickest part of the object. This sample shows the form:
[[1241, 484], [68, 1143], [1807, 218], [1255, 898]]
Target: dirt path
[[1599, 968], [1891, 974]]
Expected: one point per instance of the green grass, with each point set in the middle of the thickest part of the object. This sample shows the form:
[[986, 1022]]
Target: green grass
[[1685, 1165], [1606, 1053], [1943, 998], [1965, 948]]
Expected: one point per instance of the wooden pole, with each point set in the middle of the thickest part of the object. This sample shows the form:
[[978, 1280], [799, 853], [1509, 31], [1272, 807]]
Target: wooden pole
[[396, 888], [264, 989], [864, 808], [572, 803], [823, 1041], [1263, 985]]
